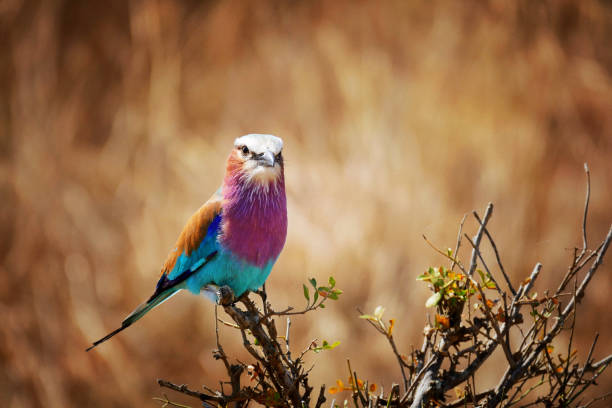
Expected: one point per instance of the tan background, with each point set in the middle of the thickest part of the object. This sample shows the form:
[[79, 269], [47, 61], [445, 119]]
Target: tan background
[[398, 117]]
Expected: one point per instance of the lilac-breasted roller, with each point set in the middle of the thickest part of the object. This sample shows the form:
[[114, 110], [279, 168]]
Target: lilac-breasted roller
[[235, 237]]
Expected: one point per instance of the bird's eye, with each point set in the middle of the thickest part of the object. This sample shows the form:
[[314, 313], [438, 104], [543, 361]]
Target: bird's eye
[[245, 150]]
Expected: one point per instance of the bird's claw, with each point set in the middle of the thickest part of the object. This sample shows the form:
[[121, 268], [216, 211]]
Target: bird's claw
[[225, 295]]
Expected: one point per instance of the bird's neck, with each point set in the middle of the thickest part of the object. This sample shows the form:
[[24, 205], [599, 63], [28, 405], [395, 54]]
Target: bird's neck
[[254, 219]]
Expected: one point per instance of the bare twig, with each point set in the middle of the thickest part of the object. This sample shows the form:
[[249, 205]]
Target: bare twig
[[497, 257], [184, 389], [168, 403], [458, 244], [321, 399], [594, 400], [586, 210], [478, 237]]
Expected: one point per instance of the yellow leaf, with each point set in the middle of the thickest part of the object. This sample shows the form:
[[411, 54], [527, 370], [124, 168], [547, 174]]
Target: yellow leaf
[[442, 321], [391, 324]]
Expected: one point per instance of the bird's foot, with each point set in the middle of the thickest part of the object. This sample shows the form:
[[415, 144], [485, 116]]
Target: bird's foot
[[225, 296]]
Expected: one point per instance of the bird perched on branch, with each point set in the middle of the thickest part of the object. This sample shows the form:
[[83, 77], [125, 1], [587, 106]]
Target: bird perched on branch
[[235, 237]]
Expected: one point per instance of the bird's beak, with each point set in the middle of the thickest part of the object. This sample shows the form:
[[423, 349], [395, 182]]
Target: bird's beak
[[266, 159]]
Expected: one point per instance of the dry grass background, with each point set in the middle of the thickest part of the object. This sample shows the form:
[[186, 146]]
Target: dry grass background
[[398, 117]]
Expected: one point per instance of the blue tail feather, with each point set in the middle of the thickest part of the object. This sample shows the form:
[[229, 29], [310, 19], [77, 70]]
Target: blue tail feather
[[138, 313]]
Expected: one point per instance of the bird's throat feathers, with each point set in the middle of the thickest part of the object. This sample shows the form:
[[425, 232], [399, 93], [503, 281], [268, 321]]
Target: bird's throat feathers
[[254, 215]]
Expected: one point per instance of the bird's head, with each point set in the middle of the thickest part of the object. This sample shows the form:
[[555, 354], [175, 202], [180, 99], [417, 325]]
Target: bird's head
[[257, 158]]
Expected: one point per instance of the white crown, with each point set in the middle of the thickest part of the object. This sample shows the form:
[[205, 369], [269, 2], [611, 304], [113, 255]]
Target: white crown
[[258, 143]]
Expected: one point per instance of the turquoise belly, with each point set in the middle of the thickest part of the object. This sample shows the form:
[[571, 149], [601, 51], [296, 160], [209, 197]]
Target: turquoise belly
[[226, 269]]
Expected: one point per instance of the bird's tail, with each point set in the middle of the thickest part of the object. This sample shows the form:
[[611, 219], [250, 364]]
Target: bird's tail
[[140, 311]]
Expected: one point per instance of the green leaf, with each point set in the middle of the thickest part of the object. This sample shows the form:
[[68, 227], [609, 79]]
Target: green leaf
[[313, 282], [322, 306], [316, 296], [306, 293], [332, 346], [433, 299], [326, 346], [332, 281], [424, 277], [482, 275], [490, 285]]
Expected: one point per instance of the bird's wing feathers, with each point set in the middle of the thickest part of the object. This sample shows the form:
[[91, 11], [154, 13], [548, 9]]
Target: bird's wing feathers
[[188, 256], [194, 232]]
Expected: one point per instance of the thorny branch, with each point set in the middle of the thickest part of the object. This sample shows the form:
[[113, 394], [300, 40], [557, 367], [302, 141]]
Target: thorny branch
[[275, 378], [455, 349]]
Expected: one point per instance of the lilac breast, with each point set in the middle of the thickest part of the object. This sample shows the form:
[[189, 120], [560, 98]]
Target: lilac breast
[[254, 220]]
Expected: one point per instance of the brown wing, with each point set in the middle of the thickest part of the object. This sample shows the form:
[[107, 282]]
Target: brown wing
[[194, 231]]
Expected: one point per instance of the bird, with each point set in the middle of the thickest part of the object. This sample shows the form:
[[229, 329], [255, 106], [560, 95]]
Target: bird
[[235, 238]]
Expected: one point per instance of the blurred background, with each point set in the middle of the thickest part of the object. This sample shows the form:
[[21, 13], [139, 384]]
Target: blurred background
[[398, 117]]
